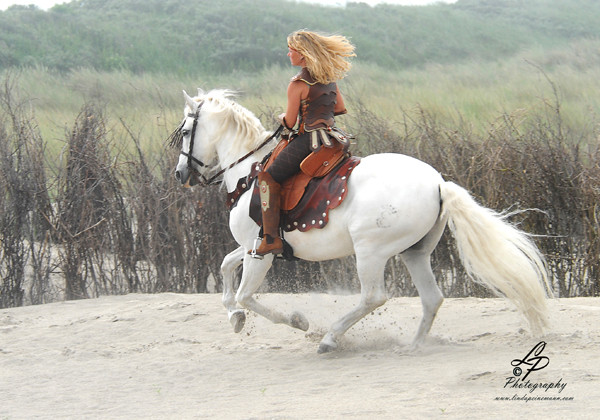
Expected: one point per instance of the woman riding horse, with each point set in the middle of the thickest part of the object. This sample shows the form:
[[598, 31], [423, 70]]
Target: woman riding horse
[[313, 99]]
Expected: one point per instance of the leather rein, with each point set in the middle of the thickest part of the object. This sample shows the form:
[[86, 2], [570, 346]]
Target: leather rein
[[191, 159]]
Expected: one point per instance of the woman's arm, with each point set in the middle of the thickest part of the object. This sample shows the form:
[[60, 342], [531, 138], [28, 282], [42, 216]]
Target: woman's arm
[[340, 108], [297, 90]]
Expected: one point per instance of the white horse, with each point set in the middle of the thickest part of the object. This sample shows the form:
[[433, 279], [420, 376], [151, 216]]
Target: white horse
[[395, 205]]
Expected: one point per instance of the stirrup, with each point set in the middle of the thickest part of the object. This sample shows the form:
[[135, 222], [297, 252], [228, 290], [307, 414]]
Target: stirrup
[[253, 253]]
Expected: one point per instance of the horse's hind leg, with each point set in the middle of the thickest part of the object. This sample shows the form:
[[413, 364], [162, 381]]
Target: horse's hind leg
[[230, 263], [370, 272], [418, 262], [419, 267], [252, 277]]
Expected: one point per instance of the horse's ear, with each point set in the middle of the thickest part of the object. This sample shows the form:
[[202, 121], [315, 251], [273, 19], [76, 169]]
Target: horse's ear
[[200, 92], [189, 101]]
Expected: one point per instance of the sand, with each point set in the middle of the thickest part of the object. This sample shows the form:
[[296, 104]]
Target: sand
[[175, 356]]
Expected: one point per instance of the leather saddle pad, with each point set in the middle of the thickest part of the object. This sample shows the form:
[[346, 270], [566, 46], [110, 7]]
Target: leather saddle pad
[[306, 201]]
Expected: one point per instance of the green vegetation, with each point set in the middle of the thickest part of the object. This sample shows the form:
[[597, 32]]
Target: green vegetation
[[468, 61], [184, 38], [475, 93]]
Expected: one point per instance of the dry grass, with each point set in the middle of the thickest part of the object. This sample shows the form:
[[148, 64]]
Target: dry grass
[[97, 189]]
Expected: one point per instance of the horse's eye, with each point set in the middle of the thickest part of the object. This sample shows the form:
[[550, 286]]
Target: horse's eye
[[185, 132]]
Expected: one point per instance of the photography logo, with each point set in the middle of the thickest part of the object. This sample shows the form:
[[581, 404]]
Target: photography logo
[[527, 389], [533, 359]]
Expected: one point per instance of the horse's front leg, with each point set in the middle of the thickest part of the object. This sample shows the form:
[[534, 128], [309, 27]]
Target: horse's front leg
[[230, 263], [253, 275]]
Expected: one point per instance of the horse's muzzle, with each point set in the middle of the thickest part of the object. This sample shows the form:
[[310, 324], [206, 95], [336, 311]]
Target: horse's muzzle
[[186, 177]]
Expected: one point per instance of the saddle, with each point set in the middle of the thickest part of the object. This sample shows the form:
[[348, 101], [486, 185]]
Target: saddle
[[308, 196]]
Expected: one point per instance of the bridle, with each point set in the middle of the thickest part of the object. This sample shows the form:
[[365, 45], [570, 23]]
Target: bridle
[[177, 137], [190, 158]]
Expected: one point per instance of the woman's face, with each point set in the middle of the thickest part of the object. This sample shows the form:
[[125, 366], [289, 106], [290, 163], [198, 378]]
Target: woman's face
[[295, 57]]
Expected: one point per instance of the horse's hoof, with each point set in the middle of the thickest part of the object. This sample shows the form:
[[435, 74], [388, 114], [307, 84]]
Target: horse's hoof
[[238, 319], [416, 344], [327, 345], [325, 348], [299, 321]]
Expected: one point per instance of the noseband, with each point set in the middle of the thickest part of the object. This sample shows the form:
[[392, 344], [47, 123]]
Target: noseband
[[191, 159]]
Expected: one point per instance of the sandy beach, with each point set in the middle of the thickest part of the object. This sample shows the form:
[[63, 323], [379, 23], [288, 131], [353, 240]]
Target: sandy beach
[[175, 356]]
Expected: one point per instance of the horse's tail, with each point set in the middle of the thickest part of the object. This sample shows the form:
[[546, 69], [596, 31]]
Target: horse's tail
[[498, 255]]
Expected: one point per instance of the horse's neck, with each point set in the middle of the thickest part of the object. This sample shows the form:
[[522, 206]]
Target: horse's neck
[[243, 168]]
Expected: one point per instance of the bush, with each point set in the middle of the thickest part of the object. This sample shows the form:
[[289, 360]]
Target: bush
[[120, 223], [24, 205]]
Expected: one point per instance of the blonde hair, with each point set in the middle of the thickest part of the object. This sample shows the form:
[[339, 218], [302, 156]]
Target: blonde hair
[[326, 56]]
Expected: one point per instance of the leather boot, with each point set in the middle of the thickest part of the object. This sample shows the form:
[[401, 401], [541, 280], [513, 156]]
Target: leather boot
[[270, 203]]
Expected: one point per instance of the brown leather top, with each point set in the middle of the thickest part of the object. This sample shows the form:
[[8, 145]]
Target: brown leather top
[[316, 111]]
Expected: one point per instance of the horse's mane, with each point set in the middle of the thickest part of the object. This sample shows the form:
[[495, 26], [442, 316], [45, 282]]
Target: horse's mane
[[249, 130]]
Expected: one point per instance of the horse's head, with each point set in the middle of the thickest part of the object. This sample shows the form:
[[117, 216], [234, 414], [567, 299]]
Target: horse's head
[[215, 135], [196, 157]]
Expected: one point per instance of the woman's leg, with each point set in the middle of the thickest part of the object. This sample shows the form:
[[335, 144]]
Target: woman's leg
[[289, 160], [285, 165]]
